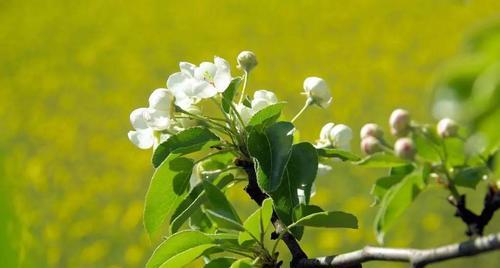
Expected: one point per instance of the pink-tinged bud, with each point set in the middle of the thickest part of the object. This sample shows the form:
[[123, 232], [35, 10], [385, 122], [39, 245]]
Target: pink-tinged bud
[[405, 149], [447, 128], [370, 145], [371, 130], [399, 122]]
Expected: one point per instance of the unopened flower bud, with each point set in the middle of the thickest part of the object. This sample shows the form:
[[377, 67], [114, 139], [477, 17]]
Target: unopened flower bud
[[405, 149], [370, 145], [341, 136], [399, 122], [318, 91], [247, 61], [447, 128], [371, 130]]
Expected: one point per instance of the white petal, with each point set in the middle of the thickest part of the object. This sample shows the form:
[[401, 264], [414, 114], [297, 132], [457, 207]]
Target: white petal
[[222, 77], [187, 68], [340, 136], [206, 71], [266, 95], [183, 101], [259, 104], [157, 119], [325, 131], [143, 139], [245, 112], [203, 90], [137, 118], [160, 99], [178, 82]]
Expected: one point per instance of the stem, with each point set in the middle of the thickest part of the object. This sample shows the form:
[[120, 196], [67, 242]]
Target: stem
[[244, 87], [308, 103]]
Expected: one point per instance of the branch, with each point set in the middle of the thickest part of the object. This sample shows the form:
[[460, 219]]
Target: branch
[[476, 223], [254, 191], [416, 257]]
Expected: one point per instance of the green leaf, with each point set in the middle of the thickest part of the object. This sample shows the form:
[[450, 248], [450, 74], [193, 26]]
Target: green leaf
[[229, 93], [270, 151], [168, 187], [382, 160], [382, 185], [470, 177], [302, 167], [242, 263], [396, 201], [454, 151], [180, 249], [266, 116], [224, 222], [338, 153], [199, 220], [219, 203], [194, 201], [187, 141], [427, 149], [257, 223], [224, 262], [313, 217]]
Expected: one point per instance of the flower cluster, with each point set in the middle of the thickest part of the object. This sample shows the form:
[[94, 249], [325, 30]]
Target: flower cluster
[[176, 107]]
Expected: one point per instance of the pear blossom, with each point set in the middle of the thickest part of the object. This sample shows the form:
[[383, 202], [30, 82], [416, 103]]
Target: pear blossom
[[143, 136], [338, 136], [370, 145], [194, 83], [371, 129], [399, 122], [157, 115], [261, 99], [317, 91]]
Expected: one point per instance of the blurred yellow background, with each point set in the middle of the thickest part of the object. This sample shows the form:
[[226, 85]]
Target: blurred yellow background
[[72, 185]]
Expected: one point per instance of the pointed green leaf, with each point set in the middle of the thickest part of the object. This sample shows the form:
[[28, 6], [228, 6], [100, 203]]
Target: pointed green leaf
[[224, 222], [469, 177], [396, 201], [229, 93], [194, 201], [266, 116], [242, 263], [180, 249], [219, 203], [338, 153], [169, 186], [382, 160], [426, 148], [328, 219], [382, 185], [187, 141], [270, 151], [454, 151], [224, 262], [257, 223], [199, 220], [302, 167]]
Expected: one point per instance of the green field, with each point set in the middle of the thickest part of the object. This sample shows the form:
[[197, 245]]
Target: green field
[[71, 72]]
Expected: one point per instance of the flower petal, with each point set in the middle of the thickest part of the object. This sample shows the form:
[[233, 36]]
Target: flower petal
[[160, 99], [203, 90], [187, 68], [222, 77], [178, 81], [206, 71], [137, 119], [157, 119], [143, 139]]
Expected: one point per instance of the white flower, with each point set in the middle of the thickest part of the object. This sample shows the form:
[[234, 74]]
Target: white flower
[[338, 136], [318, 91], [261, 99], [323, 169], [194, 83], [157, 116], [142, 136]]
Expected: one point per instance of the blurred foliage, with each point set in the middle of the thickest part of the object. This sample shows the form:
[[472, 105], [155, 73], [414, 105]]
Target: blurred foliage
[[71, 72]]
